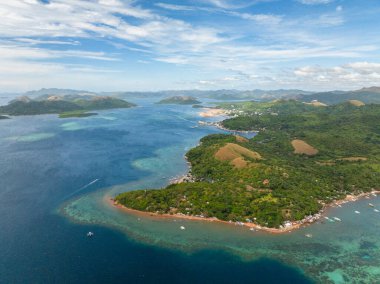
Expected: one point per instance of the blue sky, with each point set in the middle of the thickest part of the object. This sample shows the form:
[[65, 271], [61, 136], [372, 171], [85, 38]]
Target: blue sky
[[111, 45]]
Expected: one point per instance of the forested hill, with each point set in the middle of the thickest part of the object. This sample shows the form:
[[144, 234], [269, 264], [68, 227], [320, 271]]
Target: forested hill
[[299, 161], [58, 104], [180, 100], [365, 95]]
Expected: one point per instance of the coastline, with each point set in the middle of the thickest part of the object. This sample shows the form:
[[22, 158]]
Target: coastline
[[220, 126], [308, 220], [287, 227], [212, 112]]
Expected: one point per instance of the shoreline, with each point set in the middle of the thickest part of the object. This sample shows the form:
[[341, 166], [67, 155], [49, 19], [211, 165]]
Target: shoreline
[[287, 227], [220, 126], [209, 112], [308, 220], [212, 112]]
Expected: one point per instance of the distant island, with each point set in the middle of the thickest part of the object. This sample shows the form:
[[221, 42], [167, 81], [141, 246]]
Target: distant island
[[78, 113], [65, 105], [366, 95], [282, 178], [180, 100]]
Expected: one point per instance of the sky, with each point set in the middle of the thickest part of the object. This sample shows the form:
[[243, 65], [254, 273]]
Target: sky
[[141, 45]]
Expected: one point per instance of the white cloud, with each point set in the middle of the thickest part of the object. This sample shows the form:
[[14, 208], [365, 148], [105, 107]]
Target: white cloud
[[264, 19], [39, 41], [329, 20], [175, 7], [358, 74], [315, 2], [32, 53], [234, 4], [28, 26]]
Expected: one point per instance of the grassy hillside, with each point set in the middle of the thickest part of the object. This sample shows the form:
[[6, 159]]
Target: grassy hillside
[[277, 181]]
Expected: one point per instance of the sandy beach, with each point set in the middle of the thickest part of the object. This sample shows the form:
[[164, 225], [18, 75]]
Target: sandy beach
[[286, 229], [212, 112]]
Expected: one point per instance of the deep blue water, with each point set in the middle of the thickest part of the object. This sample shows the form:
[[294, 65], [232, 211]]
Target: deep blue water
[[45, 161]]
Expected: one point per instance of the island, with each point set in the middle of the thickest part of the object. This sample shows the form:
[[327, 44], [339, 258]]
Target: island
[[303, 159], [67, 106], [78, 113], [180, 100]]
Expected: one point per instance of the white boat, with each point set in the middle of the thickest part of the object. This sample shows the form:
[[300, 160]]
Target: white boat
[[376, 210], [308, 235], [371, 205], [182, 227], [252, 229], [337, 219], [90, 234], [357, 212]]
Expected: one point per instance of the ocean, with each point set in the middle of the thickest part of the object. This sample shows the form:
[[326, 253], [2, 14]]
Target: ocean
[[56, 176]]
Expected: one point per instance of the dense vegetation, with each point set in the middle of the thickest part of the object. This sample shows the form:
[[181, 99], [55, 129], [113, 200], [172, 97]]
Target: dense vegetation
[[282, 185], [366, 95], [27, 106], [79, 113], [180, 100]]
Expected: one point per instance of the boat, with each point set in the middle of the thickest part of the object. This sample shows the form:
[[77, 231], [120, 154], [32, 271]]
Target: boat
[[182, 227], [371, 205], [90, 234], [252, 229], [337, 219], [308, 235], [357, 212], [376, 210]]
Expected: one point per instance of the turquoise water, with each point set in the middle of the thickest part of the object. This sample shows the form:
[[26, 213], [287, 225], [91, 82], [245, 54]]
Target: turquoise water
[[57, 175]]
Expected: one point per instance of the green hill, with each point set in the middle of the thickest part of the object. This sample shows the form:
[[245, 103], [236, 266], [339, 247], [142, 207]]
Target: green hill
[[283, 181], [180, 100], [366, 95], [56, 104]]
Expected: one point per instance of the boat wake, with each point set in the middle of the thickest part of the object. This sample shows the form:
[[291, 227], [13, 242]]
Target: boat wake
[[80, 189]]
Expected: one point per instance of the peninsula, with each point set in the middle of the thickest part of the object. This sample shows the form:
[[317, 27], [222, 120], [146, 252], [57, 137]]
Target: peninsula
[[304, 158]]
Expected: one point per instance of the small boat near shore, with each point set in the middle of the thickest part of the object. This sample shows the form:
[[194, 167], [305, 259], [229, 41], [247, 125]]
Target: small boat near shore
[[371, 205], [357, 212], [90, 234], [182, 228], [337, 219]]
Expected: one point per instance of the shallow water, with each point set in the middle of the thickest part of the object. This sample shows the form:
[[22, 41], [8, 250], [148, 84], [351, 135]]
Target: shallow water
[[48, 204]]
